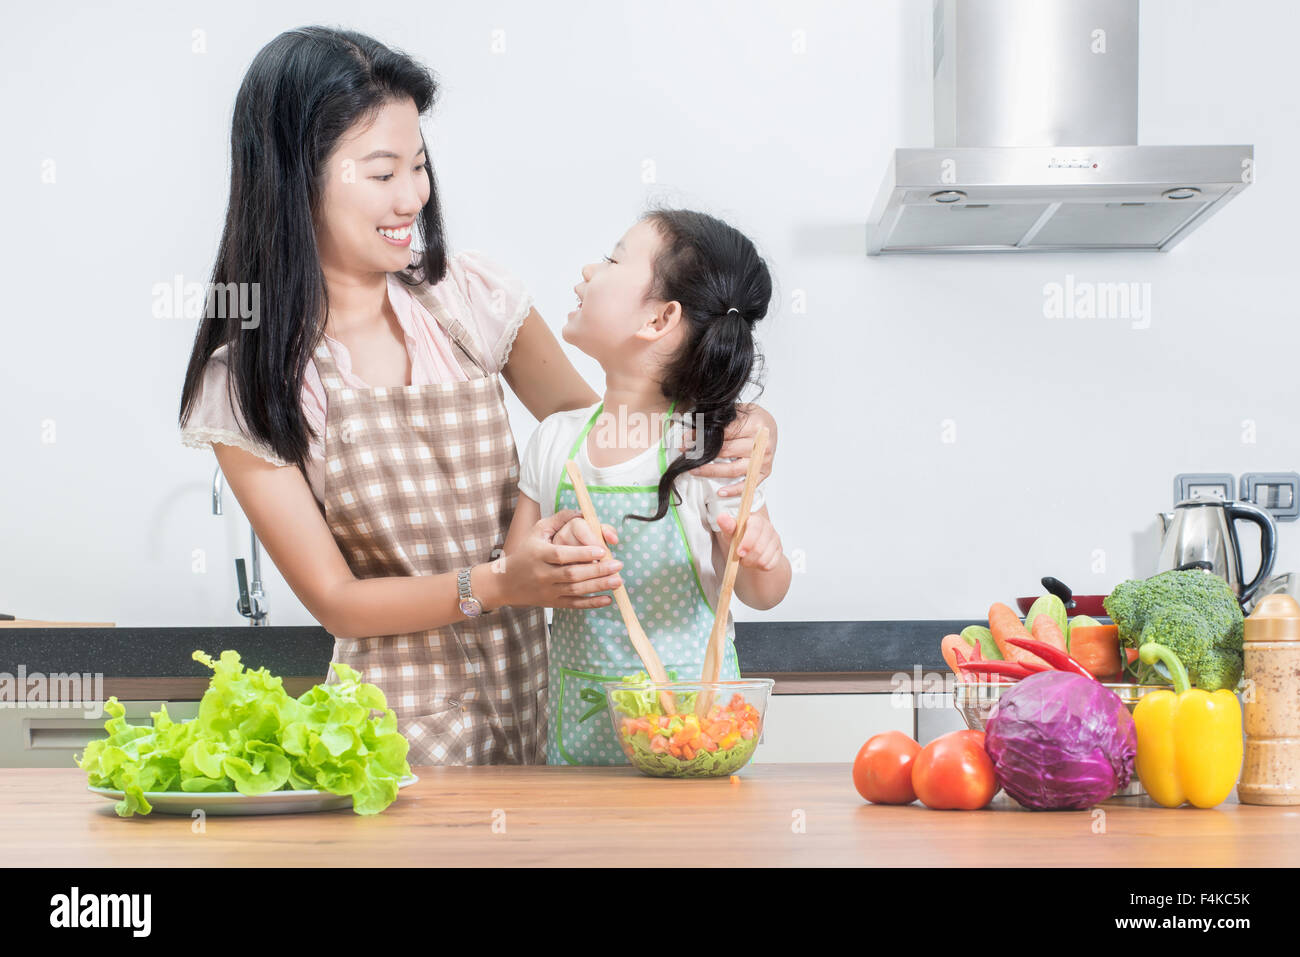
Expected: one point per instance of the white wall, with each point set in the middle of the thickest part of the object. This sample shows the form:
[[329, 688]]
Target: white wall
[[1068, 432]]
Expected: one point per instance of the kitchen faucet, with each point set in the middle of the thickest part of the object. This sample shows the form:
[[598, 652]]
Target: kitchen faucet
[[252, 602]]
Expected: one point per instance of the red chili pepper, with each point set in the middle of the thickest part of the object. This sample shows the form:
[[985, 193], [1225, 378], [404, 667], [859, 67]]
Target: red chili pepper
[[1054, 656], [1008, 669], [961, 664]]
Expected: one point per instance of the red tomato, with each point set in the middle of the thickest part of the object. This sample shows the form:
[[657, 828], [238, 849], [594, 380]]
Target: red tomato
[[954, 771], [882, 771]]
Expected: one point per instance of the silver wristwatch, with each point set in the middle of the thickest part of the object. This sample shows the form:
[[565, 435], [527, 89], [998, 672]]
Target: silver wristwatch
[[470, 606]]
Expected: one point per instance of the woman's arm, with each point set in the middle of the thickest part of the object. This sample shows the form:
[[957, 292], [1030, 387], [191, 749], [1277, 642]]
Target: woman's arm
[[280, 506], [540, 373]]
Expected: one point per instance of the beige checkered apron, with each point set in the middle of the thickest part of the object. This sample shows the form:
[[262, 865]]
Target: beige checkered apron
[[422, 480]]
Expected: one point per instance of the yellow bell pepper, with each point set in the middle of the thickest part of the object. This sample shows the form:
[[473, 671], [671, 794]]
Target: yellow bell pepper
[[1189, 740]]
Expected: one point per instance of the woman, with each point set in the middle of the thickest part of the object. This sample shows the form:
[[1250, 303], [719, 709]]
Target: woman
[[377, 374]]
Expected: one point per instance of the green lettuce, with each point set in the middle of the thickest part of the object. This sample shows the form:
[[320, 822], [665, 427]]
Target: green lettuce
[[637, 701], [250, 736], [704, 764]]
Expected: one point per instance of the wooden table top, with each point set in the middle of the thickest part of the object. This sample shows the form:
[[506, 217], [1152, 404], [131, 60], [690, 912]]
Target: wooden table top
[[772, 814]]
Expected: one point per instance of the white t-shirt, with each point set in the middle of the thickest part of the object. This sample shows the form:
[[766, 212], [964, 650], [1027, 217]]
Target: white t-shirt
[[542, 465]]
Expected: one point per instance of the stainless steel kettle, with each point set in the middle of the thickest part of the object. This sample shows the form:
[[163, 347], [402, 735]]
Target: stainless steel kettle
[[1202, 532]]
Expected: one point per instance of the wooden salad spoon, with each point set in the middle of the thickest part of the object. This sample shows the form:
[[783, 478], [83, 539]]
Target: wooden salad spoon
[[713, 655], [649, 657]]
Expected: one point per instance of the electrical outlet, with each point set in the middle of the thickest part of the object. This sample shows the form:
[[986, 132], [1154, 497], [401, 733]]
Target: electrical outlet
[[1277, 493], [1220, 485]]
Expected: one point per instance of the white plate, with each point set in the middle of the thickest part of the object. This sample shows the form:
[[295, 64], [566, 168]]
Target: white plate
[[232, 802]]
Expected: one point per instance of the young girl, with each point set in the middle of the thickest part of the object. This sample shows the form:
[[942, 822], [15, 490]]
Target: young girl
[[669, 316]]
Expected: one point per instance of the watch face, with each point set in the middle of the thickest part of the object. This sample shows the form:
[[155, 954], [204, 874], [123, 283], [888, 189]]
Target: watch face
[[471, 607]]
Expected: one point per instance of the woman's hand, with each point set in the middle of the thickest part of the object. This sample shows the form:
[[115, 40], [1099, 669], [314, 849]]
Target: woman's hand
[[761, 546], [577, 532], [738, 442], [546, 573]]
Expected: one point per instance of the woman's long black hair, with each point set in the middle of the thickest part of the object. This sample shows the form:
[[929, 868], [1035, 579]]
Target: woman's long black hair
[[710, 268], [302, 92]]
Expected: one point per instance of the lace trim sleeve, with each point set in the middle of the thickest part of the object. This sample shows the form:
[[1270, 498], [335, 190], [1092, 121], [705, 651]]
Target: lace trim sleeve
[[202, 437], [512, 330]]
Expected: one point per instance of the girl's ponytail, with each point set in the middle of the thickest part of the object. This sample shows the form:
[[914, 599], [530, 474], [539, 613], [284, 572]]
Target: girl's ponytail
[[724, 288]]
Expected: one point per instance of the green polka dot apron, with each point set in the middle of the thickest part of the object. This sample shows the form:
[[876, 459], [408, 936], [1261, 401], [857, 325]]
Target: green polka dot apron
[[590, 645]]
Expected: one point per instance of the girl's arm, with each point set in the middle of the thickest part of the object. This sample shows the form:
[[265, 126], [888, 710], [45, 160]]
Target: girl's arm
[[540, 373], [763, 577]]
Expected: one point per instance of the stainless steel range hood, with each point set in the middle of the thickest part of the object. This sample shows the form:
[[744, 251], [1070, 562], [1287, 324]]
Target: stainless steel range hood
[[1035, 110]]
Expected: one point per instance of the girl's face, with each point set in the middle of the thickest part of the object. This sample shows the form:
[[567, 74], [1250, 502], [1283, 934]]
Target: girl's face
[[612, 305], [375, 180]]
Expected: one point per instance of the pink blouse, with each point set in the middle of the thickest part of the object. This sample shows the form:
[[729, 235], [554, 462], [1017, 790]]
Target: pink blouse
[[490, 302]]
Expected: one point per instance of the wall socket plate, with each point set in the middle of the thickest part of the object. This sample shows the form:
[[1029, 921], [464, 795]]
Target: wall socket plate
[[1277, 493], [1221, 485]]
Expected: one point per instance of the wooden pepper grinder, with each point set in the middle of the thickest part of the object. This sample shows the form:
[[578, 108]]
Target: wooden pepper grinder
[[1271, 771]]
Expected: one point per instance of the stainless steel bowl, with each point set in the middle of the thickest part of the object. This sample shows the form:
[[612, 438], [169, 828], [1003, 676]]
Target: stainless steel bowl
[[975, 699]]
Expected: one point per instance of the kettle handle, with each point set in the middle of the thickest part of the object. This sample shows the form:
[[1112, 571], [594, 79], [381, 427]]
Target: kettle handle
[[1267, 542]]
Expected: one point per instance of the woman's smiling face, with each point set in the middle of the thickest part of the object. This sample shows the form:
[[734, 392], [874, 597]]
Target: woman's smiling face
[[375, 180], [612, 298]]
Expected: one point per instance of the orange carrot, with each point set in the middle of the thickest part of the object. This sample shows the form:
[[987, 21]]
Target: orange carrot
[[1005, 623], [1048, 632], [1096, 647], [955, 652]]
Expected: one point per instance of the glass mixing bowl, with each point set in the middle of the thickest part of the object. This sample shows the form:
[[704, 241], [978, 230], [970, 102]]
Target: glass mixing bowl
[[683, 745]]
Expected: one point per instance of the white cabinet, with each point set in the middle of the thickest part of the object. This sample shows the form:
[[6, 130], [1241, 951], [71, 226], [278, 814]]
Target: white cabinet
[[829, 727], [36, 737]]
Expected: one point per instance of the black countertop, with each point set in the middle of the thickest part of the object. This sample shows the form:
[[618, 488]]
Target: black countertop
[[767, 647]]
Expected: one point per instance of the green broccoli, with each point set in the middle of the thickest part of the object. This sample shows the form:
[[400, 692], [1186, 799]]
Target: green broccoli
[[1192, 613]]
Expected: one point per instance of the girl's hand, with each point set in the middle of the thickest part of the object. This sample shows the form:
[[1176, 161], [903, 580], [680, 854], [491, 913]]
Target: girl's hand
[[543, 573], [761, 546], [738, 442], [577, 532]]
